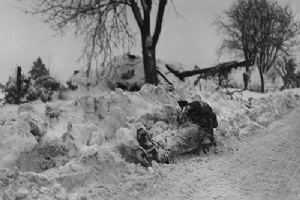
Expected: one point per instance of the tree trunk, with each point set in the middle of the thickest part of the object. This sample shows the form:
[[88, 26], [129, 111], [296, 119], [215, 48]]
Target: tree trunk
[[246, 79], [284, 83], [262, 86], [149, 42], [149, 61]]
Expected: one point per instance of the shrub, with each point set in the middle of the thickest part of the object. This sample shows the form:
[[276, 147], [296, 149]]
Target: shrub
[[40, 86], [43, 84], [46, 85], [71, 86], [38, 69], [296, 79], [45, 94], [32, 93], [47, 82], [11, 92]]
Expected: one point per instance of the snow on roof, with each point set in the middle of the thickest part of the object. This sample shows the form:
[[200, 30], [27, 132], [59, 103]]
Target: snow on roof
[[126, 69]]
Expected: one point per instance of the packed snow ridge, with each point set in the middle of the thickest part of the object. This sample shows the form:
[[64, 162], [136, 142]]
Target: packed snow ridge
[[63, 149]]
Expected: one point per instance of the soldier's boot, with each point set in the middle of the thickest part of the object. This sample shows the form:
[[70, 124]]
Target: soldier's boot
[[150, 151], [143, 158], [206, 143]]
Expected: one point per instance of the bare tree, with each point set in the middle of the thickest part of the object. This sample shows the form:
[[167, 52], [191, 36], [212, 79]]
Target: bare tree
[[105, 26], [286, 68], [258, 30]]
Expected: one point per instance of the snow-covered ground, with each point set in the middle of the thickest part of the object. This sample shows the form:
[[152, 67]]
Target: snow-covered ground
[[266, 167], [2, 95], [76, 154]]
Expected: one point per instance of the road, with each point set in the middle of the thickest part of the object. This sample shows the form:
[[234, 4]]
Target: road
[[267, 166]]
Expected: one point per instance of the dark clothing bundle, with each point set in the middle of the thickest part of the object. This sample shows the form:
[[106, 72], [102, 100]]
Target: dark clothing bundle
[[197, 121]]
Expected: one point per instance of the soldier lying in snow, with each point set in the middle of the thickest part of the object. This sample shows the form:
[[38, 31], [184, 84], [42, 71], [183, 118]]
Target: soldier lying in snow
[[199, 113], [197, 121]]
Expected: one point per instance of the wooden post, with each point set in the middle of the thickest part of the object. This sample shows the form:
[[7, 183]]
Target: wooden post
[[18, 82]]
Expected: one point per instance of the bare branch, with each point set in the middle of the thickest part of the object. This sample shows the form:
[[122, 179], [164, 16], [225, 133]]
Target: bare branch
[[104, 26], [176, 11], [137, 13]]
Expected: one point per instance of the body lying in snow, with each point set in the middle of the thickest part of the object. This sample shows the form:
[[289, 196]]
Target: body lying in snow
[[195, 133], [199, 113]]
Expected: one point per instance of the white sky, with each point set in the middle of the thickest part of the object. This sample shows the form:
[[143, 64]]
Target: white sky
[[192, 40]]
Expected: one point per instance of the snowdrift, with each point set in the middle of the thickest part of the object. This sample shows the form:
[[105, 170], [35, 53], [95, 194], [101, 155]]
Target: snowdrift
[[83, 148]]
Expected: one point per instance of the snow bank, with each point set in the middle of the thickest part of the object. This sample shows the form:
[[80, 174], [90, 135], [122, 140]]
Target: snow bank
[[94, 135], [248, 117], [112, 117], [15, 138], [28, 185]]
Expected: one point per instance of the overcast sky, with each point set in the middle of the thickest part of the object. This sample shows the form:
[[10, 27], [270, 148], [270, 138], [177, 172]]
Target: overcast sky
[[191, 40]]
